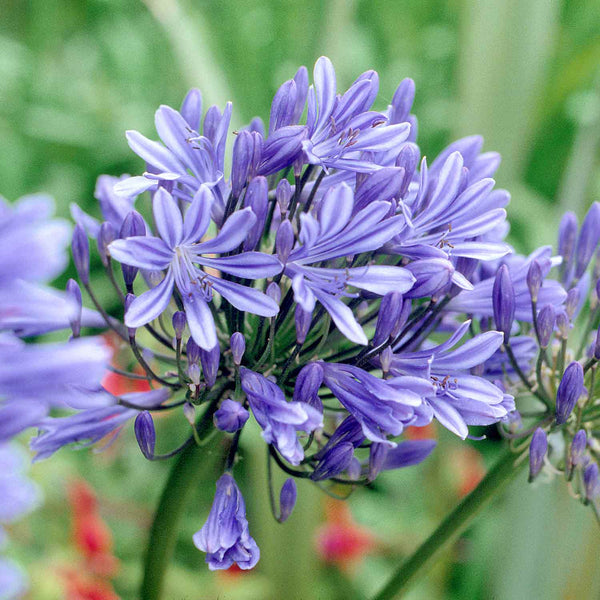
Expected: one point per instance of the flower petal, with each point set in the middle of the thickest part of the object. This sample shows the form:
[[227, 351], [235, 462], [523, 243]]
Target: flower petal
[[200, 321], [142, 252], [232, 234], [167, 217], [245, 298], [150, 304]]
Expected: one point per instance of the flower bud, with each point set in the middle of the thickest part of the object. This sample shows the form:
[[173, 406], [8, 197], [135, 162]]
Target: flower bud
[[587, 240], [189, 412], [192, 350], [303, 319], [283, 105], [287, 499], [567, 233], [377, 454], [307, 385], [283, 194], [145, 434], [591, 482], [534, 279], [578, 446], [569, 391], [81, 254], [106, 235], [503, 300], [179, 321], [257, 198], [284, 241], [274, 292], [572, 302], [238, 347], [562, 322], [74, 293], [407, 158], [240, 165], [333, 462], [546, 320], [194, 372], [385, 358], [210, 364], [133, 225], [389, 312], [231, 416], [537, 451]]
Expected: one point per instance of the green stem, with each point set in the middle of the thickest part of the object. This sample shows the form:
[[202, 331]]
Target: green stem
[[503, 471], [187, 471]]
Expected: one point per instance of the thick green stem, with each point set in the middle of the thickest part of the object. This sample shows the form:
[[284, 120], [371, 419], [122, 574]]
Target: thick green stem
[[189, 469], [505, 469]]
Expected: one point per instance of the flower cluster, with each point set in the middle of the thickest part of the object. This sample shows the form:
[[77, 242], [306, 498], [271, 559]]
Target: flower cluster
[[300, 288]]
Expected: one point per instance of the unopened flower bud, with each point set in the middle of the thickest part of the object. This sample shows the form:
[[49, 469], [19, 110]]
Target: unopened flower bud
[[591, 482], [534, 279], [179, 321], [569, 391], [407, 158], [572, 302], [189, 412], [210, 364], [194, 372], [284, 241], [241, 159], [307, 385], [567, 233], [587, 240], [238, 347], [578, 446], [74, 293], [287, 499], [192, 350], [546, 320], [106, 235], [145, 434], [283, 193], [562, 322], [389, 313], [333, 462], [231, 416], [503, 300], [377, 454], [385, 358], [257, 198], [303, 320], [274, 292], [81, 253], [133, 225], [537, 451]]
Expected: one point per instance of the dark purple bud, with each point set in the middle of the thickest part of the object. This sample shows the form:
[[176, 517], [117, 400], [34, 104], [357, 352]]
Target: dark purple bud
[[284, 241], [377, 454], [591, 482], [303, 319], [578, 446], [189, 412], [537, 452], [301, 80], [133, 225], [307, 385], [572, 302], [257, 199], [567, 233], [281, 149], [210, 364], [231, 416], [238, 347], [569, 391], [129, 298], [408, 159], [145, 434], [402, 101], [274, 292], [283, 194], [503, 300], [587, 240], [81, 254], [333, 462], [74, 293], [283, 106], [243, 149], [546, 320], [179, 322], [389, 313], [287, 499], [192, 350], [562, 322], [106, 235], [534, 279]]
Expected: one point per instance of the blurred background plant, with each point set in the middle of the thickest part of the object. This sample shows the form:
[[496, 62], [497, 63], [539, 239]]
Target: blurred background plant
[[75, 74]]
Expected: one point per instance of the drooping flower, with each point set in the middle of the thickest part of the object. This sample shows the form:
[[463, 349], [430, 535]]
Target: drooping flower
[[225, 537], [179, 251]]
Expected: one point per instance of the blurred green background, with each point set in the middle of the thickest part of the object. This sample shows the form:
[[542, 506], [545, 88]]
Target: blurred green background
[[75, 74]]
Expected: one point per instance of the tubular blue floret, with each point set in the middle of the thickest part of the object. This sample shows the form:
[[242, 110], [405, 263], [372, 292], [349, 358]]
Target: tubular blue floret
[[537, 452], [569, 390]]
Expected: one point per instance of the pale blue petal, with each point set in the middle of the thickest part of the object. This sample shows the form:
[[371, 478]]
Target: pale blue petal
[[142, 252], [167, 217], [150, 304], [232, 234], [245, 298]]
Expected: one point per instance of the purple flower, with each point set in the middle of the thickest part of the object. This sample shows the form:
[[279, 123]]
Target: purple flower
[[225, 537], [569, 390], [179, 251], [503, 301], [231, 416], [279, 419], [537, 452]]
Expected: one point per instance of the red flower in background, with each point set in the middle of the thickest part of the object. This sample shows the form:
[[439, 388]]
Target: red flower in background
[[341, 541], [469, 468]]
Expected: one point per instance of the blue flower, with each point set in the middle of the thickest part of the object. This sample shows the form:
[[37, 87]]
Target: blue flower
[[179, 251], [225, 537]]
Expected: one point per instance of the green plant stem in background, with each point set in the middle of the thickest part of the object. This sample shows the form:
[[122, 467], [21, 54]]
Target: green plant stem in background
[[186, 472], [507, 467]]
